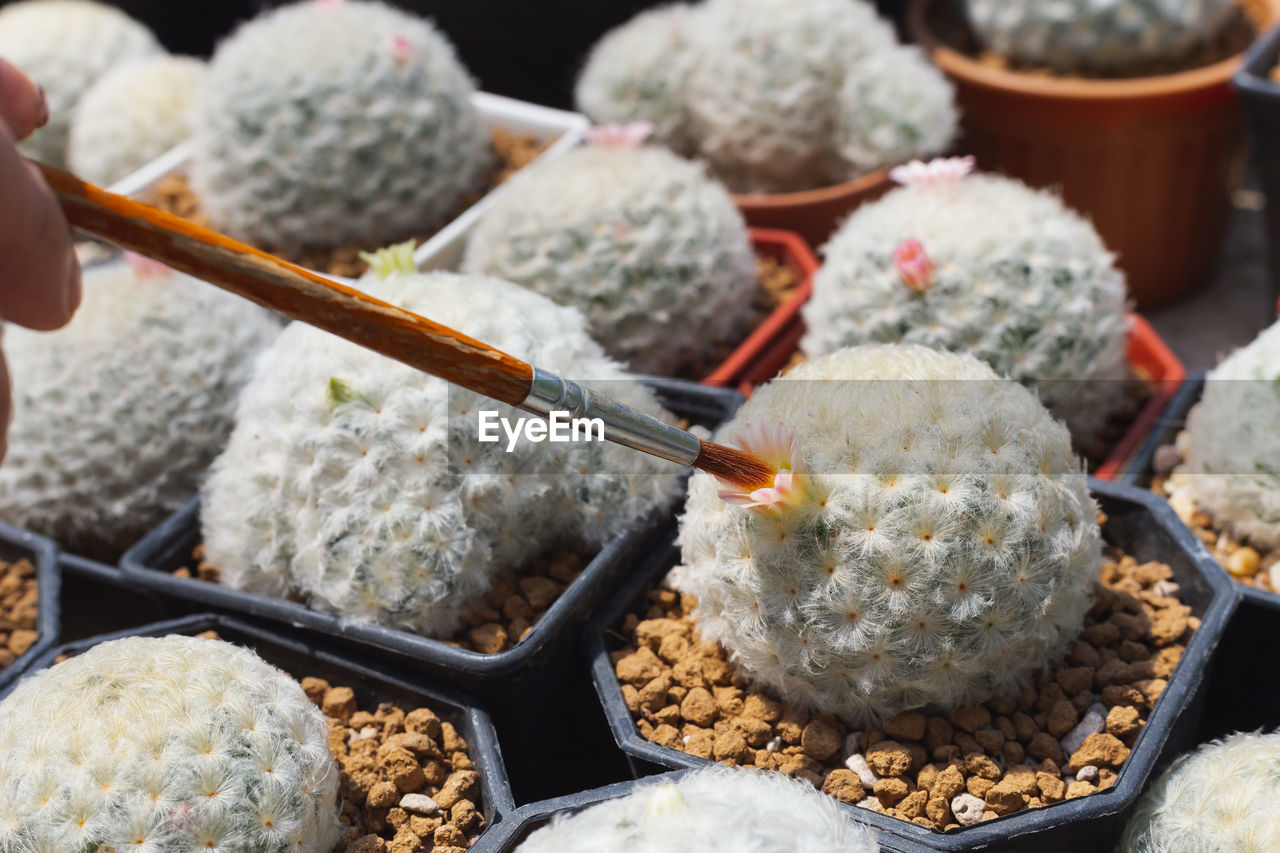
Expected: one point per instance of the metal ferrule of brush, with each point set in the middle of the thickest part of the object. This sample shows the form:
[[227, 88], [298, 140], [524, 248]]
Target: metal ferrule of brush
[[622, 424]]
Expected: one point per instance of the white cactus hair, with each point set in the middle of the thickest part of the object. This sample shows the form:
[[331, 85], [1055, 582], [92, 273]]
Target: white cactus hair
[[165, 743], [66, 46], [117, 416], [943, 549], [1112, 37], [1020, 281], [131, 115], [716, 810], [1232, 447], [358, 483], [775, 95], [1221, 798], [650, 249]]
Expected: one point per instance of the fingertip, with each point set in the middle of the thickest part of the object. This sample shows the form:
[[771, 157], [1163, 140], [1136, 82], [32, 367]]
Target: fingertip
[[23, 105]]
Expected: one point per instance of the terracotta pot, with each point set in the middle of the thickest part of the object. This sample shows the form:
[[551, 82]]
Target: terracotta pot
[[791, 250], [813, 214], [1151, 160], [1146, 351]]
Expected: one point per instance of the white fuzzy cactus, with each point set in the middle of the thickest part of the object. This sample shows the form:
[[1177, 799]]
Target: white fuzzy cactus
[[1108, 36], [132, 115], [651, 250], [116, 416], [715, 810], [776, 95], [637, 72], [930, 540], [327, 123], [1231, 445], [66, 46], [987, 266], [359, 484], [165, 744], [1222, 798]]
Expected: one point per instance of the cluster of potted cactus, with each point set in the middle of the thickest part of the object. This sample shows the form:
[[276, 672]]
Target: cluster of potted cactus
[[927, 628]]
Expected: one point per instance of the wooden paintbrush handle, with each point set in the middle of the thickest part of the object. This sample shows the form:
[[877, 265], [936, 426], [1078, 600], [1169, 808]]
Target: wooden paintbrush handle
[[292, 290]]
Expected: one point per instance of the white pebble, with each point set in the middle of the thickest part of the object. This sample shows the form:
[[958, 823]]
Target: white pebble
[[858, 764], [364, 734], [774, 744], [1092, 723], [1166, 588], [871, 803], [419, 804], [1087, 773], [968, 809]]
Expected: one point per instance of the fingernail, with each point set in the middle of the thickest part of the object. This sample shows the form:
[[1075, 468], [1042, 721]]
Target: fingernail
[[72, 291], [42, 107]]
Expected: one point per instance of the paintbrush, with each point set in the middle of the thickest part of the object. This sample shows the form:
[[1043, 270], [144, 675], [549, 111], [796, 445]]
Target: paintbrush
[[380, 326]]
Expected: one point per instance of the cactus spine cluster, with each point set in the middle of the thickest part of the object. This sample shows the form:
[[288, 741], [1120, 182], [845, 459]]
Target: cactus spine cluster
[[716, 810], [171, 743], [116, 417], [652, 251], [359, 483], [1231, 445], [987, 266], [775, 95], [1101, 36], [1219, 799], [135, 113], [66, 46], [934, 542], [327, 123]]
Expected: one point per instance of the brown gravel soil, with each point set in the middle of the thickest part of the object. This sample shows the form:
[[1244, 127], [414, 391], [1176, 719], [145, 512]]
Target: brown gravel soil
[[506, 614], [408, 784], [514, 150], [18, 609], [1235, 39], [776, 284], [1067, 736], [1247, 564]]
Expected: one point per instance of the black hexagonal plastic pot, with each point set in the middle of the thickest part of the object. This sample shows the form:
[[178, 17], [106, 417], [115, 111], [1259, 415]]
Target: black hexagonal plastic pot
[[372, 682], [19, 544], [1145, 527], [513, 831], [1239, 700], [518, 674], [1260, 96]]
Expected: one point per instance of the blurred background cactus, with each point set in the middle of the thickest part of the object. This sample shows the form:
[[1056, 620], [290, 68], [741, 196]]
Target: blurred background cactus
[[1101, 36], [66, 46], [329, 123], [775, 95], [716, 810], [1231, 446], [650, 249], [358, 483], [116, 417], [981, 265], [132, 115], [229, 754], [933, 544]]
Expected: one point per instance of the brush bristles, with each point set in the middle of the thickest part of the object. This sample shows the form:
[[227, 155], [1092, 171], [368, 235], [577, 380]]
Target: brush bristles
[[734, 466]]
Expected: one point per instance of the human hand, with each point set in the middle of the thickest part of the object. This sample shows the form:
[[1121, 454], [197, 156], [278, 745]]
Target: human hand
[[39, 272]]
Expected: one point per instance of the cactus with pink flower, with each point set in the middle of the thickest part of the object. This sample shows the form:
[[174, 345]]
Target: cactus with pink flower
[[984, 265]]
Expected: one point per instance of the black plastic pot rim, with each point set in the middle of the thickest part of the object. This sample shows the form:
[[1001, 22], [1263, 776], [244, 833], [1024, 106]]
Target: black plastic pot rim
[[1251, 79], [44, 554], [1144, 755], [482, 739], [137, 565]]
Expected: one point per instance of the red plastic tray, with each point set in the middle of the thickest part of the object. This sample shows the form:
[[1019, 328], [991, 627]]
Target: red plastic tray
[[1147, 353], [790, 249]]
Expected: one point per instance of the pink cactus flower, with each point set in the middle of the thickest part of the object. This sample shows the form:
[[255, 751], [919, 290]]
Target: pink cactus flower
[[913, 265], [630, 135], [402, 49], [941, 170], [779, 448], [144, 267]]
